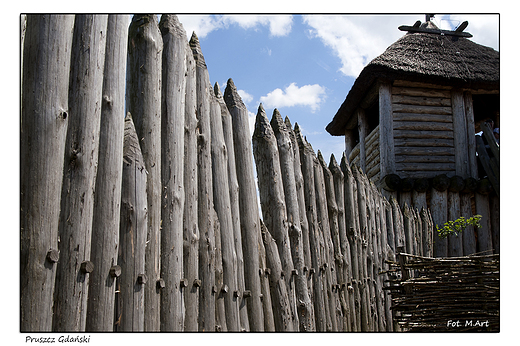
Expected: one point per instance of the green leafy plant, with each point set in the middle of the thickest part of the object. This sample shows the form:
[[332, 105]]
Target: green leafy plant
[[454, 227]]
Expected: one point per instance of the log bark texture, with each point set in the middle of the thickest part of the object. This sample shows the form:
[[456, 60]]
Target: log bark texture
[[272, 199], [172, 171], [307, 157], [79, 172], [132, 234], [287, 167], [43, 129], [280, 296], [227, 127], [107, 201], [190, 224], [144, 103], [221, 198], [206, 212], [249, 214]]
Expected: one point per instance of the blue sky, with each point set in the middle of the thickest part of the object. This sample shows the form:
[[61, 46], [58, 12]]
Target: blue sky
[[304, 65]]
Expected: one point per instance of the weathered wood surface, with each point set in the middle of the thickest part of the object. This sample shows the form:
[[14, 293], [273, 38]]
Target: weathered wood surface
[[206, 212], [455, 244], [222, 202], [172, 171], [272, 200], [220, 307], [470, 125], [227, 127], [494, 210], [439, 211], [362, 128], [79, 172], [132, 234], [484, 235], [265, 272], [346, 262], [298, 177], [386, 130], [44, 120], [434, 119], [307, 163], [489, 165], [460, 134], [339, 275], [249, 214], [283, 319], [144, 102], [422, 125], [419, 91], [107, 200], [352, 226], [190, 224], [287, 166], [364, 279], [421, 100]]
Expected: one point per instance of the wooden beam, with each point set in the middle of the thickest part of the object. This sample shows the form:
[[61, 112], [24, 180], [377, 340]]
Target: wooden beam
[[362, 129], [460, 134], [440, 118], [470, 125], [422, 126], [425, 92], [386, 131], [421, 100], [421, 109]]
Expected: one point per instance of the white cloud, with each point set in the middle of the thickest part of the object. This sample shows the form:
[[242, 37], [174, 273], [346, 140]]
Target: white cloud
[[252, 120], [279, 25], [358, 39], [307, 95], [246, 98]]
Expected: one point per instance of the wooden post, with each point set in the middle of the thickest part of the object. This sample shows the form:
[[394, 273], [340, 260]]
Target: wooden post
[[79, 172], [362, 130], [470, 125], [218, 287], [455, 243], [363, 247], [349, 142], [264, 273], [439, 211], [469, 238], [43, 130], [132, 234], [484, 237], [344, 245], [227, 128], [205, 193], [144, 102], [272, 199], [386, 130], [408, 229], [190, 225], [249, 213], [460, 134], [298, 177], [428, 230], [172, 174], [282, 310], [350, 192], [287, 167], [342, 313], [107, 201], [307, 164], [221, 199]]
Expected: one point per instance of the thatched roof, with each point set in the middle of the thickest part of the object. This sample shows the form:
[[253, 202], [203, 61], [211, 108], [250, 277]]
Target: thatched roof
[[424, 57]]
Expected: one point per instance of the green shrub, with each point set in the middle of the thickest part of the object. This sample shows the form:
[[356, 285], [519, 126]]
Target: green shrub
[[454, 227]]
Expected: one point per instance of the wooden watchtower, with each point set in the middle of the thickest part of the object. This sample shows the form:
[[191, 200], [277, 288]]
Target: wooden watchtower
[[414, 110]]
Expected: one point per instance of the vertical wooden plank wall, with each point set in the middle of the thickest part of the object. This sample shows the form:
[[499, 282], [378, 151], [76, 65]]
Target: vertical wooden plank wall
[[249, 213], [172, 172], [206, 213], [107, 200], [130, 311], [221, 198], [79, 173], [44, 120], [190, 225], [144, 103]]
